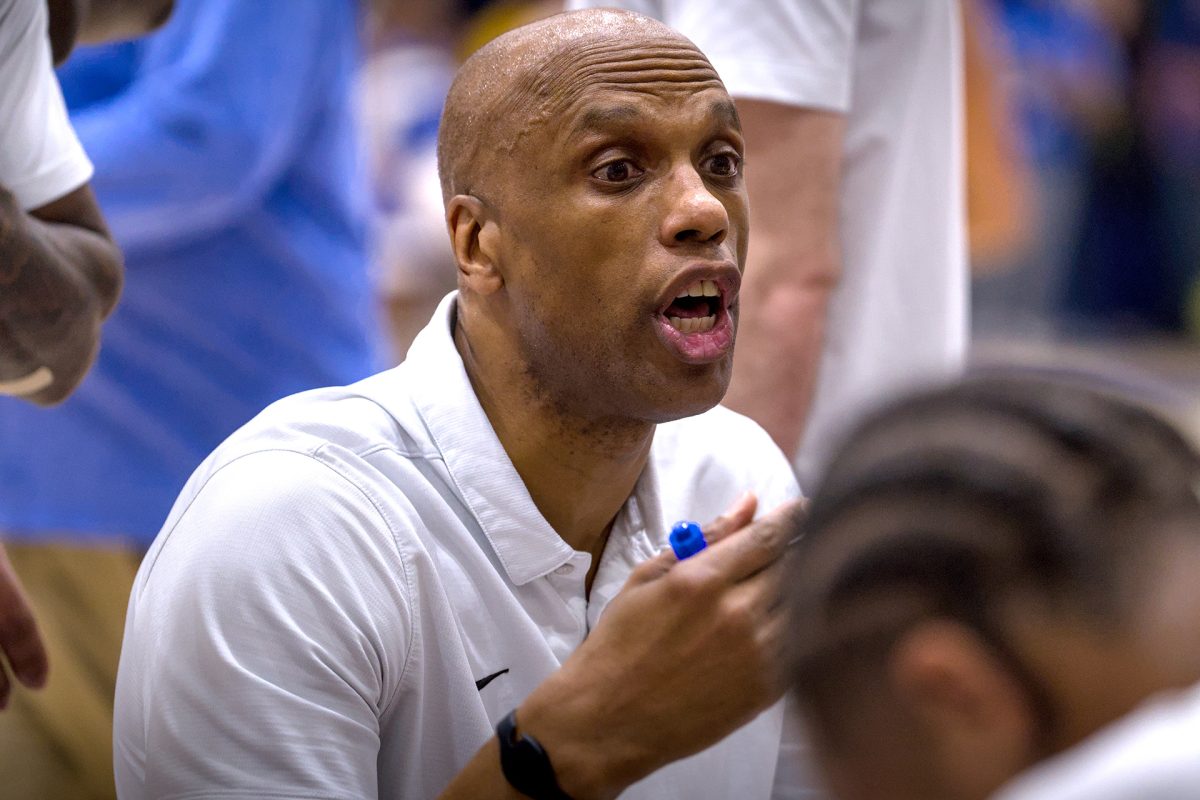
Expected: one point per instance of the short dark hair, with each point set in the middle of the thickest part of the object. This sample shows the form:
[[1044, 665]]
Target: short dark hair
[[949, 502]]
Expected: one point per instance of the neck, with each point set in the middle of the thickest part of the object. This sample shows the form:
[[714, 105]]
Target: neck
[[579, 470], [1098, 677]]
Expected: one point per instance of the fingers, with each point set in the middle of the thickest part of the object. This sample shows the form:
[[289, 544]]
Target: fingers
[[19, 637], [759, 544], [736, 517], [652, 568]]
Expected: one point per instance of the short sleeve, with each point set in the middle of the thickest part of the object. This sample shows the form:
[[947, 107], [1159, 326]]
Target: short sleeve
[[268, 631], [798, 52], [41, 159]]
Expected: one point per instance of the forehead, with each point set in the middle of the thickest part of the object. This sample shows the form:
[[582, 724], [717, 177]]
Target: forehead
[[615, 84]]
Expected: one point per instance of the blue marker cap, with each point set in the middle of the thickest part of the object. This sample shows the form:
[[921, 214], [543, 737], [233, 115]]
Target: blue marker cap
[[687, 539]]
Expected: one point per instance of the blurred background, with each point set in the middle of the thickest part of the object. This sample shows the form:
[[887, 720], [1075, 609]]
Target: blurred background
[[1084, 185], [1083, 121], [1083, 147]]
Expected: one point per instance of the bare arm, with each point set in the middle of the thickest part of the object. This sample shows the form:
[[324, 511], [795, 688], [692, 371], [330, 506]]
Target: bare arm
[[616, 711], [794, 160], [60, 276], [20, 639]]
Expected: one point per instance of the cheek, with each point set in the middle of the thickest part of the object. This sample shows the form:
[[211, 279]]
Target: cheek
[[738, 210]]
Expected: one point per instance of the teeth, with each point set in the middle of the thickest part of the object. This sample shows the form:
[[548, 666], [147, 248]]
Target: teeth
[[693, 324], [701, 289]]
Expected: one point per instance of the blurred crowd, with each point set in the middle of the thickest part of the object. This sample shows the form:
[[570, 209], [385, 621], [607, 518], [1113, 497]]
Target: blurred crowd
[[1103, 98], [1083, 143]]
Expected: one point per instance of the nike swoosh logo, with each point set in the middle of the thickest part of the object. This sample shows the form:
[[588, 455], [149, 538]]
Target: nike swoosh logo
[[482, 682]]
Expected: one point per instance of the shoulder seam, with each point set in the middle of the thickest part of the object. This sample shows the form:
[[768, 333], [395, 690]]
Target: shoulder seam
[[313, 456]]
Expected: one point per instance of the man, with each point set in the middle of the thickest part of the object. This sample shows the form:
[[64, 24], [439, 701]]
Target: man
[[359, 586], [60, 273], [227, 167], [857, 286], [998, 579]]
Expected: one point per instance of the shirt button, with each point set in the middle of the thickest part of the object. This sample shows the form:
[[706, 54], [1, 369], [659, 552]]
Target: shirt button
[[565, 569]]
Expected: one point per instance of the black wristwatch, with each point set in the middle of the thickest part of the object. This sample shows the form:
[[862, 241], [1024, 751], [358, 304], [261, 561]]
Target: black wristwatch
[[525, 764]]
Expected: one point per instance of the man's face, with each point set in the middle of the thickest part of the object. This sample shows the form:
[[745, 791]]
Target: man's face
[[624, 227]]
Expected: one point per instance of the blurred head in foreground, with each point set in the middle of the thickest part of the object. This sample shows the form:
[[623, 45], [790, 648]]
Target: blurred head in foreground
[[990, 573]]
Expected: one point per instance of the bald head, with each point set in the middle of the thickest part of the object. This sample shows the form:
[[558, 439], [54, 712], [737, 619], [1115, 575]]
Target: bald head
[[525, 79]]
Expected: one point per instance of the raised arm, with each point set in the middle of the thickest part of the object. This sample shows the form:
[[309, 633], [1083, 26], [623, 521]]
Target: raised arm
[[60, 276], [793, 170]]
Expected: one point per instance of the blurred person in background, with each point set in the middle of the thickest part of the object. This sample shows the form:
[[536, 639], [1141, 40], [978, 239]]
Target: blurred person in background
[[1169, 87], [995, 596], [414, 49], [409, 66], [227, 166], [1139, 250], [1066, 78], [999, 176], [60, 272], [857, 281]]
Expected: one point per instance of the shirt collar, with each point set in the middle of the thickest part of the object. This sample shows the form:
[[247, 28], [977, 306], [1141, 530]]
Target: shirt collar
[[483, 474]]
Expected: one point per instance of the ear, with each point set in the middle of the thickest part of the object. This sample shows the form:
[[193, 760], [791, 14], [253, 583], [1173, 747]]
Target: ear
[[976, 711], [474, 235]]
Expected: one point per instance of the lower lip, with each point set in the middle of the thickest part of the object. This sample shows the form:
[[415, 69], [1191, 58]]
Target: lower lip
[[700, 347]]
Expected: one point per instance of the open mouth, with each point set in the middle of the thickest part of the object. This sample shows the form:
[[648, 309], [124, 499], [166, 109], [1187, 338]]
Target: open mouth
[[696, 308], [697, 325]]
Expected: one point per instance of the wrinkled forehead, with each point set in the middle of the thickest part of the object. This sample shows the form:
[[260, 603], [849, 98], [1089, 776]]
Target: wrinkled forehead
[[546, 75], [667, 67]]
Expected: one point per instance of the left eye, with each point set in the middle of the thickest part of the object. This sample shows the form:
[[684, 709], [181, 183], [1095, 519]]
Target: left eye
[[617, 172], [724, 165]]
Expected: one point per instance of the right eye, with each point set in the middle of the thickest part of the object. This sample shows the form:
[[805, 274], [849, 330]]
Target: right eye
[[619, 171]]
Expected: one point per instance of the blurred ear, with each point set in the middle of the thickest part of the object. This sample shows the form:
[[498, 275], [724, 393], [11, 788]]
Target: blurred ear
[[474, 236], [977, 714]]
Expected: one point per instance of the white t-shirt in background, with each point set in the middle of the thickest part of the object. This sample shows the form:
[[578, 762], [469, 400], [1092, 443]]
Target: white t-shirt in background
[[354, 589], [41, 159], [899, 316]]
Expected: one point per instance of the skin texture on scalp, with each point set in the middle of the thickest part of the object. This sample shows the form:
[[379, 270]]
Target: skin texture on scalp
[[529, 77]]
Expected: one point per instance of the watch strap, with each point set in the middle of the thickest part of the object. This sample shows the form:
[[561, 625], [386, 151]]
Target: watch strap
[[525, 763]]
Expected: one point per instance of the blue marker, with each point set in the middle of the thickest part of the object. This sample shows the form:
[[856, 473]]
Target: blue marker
[[686, 539]]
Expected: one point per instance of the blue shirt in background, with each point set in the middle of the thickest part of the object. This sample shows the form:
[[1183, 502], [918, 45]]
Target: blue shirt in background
[[228, 167]]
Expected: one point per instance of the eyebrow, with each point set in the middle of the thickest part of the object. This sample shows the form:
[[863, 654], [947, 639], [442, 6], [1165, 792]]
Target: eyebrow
[[598, 119], [726, 112], [604, 117]]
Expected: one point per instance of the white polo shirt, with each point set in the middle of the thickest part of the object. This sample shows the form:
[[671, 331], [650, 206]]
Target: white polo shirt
[[41, 158], [898, 317], [1153, 753], [356, 586]]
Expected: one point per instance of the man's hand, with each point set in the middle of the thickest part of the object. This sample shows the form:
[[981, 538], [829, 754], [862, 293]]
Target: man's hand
[[60, 276], [19, 638], [687, 653]]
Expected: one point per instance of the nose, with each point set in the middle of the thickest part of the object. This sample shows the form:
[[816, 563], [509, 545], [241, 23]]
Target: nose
[[694, 214]]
